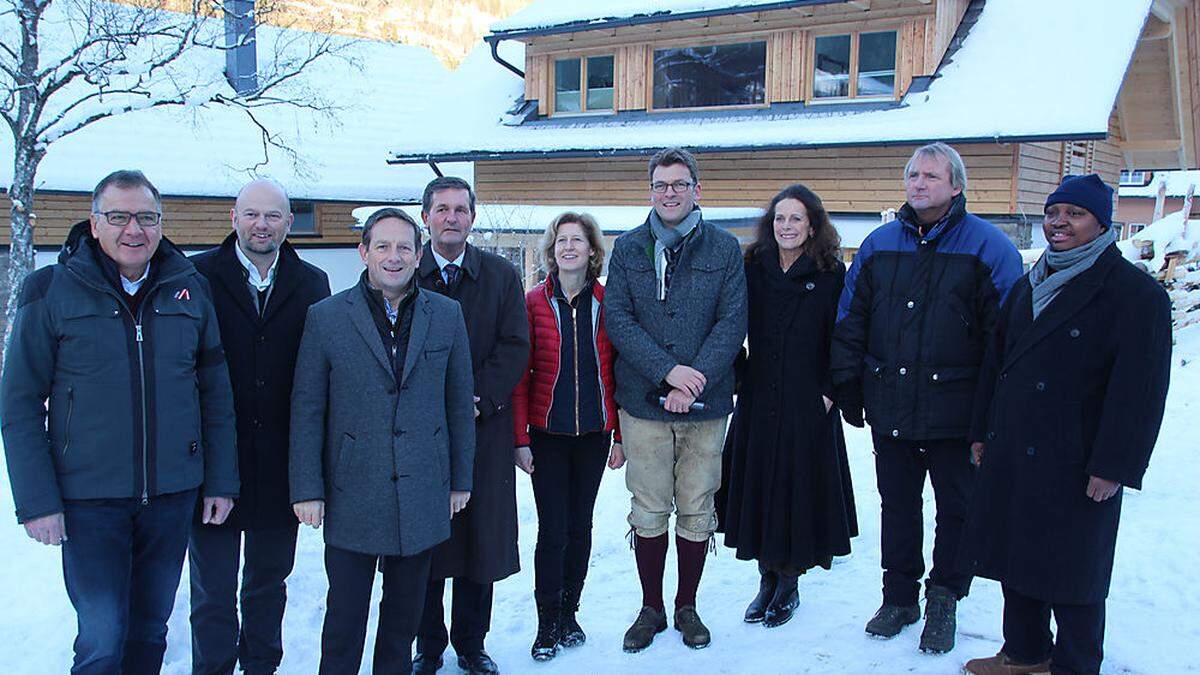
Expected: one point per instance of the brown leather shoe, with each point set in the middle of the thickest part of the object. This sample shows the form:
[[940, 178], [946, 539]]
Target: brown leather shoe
[[1000, 664]]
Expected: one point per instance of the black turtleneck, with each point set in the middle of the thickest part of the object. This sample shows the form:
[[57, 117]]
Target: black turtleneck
[[394, 335]]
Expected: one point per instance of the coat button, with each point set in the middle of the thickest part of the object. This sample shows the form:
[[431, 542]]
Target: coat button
[[1074, 332], [1041, 386], [255, 423], [934, 377], [895, 433], [262, 339], [671, 313], [670, 345], [1030, 451], [809, 286], [395, 478], [260, 383], [991, 435], [911, 304], [903, 370], [391, 391], [1004, 376], [397, 433]]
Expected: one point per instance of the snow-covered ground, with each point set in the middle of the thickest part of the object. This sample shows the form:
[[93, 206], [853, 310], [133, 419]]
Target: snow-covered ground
[[1153, 610]]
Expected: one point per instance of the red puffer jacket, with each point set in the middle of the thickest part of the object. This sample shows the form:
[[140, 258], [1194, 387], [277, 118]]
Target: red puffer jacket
[[534, 396]]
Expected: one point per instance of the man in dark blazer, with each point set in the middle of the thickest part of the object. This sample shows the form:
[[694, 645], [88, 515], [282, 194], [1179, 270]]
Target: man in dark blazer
[[382, 442], [262, 291], [483, 542]]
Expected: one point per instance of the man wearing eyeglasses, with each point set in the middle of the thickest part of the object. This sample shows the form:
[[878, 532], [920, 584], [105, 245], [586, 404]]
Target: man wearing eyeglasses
[[676, 312], [121, 337], [262, 291]]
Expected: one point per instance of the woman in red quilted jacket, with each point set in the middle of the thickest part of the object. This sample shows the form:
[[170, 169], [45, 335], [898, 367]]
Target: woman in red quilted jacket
[[565, 418]]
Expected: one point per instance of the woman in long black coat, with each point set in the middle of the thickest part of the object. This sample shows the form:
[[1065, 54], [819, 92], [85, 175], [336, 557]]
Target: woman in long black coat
[[786, 498], [1071, 397]]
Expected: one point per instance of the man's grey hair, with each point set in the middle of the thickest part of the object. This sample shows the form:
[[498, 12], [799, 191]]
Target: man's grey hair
[[287, 201], [958, 171], [125, 179], [391, 212]]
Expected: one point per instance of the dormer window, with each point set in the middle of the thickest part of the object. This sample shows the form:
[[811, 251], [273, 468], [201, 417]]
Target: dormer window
[[854, 65], [710, 76], [583, 84]]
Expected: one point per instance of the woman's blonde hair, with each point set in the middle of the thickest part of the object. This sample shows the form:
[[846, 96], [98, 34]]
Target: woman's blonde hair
[[591, 230]]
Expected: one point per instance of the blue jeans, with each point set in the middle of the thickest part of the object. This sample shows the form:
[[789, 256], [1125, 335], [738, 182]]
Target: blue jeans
[[121, 565]]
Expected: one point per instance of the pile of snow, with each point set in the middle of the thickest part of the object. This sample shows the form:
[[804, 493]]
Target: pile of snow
[[1171, 235]]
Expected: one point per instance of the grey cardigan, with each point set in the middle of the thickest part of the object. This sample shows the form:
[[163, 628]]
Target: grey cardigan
[[701, 324], [383, 455]]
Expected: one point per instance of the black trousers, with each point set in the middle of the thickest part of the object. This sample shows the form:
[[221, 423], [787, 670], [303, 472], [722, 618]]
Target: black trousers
[[1078, 648], [900, 469], [214, 556], [470, 617], [566, 477], [351, 576]]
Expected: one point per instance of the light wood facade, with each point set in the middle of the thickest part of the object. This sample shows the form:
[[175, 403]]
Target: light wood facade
[[924, 31]]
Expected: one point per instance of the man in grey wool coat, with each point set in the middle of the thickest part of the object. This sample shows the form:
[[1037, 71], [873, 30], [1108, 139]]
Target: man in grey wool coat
[[382, 442]]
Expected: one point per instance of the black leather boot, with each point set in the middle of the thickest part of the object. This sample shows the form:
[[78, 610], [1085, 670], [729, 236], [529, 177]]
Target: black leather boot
[[545, 645], [783, 603], [766, 590], [570, 634]]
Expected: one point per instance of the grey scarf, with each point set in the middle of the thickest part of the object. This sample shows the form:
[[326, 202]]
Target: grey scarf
[[669, 238], [1066, 265]]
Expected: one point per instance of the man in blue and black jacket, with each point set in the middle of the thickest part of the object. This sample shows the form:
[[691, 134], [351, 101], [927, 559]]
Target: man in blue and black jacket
[[919, 302]]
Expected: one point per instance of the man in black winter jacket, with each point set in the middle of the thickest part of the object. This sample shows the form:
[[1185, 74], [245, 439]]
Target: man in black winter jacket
[[122, 338], [262, 291], [915, 314]]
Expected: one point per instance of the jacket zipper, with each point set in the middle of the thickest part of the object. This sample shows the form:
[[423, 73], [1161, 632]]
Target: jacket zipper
[[599, 369], [575, 356], [137, 326], [70, 410]]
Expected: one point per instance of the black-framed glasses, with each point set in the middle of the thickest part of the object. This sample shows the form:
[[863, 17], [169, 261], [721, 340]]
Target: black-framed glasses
[[678, 186], [122, 218]]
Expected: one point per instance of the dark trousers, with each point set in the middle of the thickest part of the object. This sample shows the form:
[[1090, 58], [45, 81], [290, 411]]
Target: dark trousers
[[566, 478], [470, 617], [214, 556], [1077, 649], [900, 469], [351, 576], [121, 565]]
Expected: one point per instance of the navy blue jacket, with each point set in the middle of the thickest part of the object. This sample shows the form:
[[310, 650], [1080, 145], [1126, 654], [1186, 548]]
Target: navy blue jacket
[[914, 319]]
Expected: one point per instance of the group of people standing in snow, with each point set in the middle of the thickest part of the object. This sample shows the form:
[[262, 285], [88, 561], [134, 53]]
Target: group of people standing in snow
[[393, 413]]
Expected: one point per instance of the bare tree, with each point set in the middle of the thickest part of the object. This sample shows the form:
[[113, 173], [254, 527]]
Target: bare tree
[[66, 64]]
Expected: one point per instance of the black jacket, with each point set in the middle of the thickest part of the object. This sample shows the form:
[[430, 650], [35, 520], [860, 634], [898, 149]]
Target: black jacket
[[483, 536], [786, 496], [139, 403], [1073, 394], [914, 319], [261, 352]]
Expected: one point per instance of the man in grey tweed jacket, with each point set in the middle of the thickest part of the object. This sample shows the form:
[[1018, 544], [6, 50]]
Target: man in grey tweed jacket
[[382, 441]]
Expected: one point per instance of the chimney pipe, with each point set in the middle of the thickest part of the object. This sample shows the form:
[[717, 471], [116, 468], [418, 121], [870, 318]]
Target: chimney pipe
[[241, 59]]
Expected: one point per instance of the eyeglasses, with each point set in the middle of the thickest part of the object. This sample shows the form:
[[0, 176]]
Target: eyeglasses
[[678, 186], [122, 218]]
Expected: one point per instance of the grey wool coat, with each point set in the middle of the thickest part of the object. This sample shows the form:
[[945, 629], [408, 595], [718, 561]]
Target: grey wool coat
[[384, 455], [701, 324]]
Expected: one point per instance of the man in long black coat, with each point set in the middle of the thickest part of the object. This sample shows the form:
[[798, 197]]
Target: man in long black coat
[[262, 291], [1070, 401], [483, 537]]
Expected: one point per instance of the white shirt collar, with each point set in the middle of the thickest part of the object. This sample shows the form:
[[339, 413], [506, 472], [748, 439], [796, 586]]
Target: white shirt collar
[[132, 287], [442, 262], [254, 277]]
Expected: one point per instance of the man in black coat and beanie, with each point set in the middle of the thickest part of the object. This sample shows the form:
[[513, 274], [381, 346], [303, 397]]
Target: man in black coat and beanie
[[482, 548], [1069, 406], [262, 291]]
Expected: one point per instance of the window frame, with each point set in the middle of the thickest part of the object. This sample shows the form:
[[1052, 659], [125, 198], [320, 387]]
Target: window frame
[[316, 219], [810, 78], [715, 40], [583, 56]]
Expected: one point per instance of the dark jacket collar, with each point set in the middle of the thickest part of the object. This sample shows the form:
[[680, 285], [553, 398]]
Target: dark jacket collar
[[81, 253], [958, 210], [233, 275], [472, 261]]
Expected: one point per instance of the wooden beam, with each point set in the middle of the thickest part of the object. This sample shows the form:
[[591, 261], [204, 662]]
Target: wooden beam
[[1151, 145]]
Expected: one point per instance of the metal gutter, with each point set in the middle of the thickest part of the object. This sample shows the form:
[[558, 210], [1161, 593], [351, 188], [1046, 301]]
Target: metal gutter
[[643, 19], [494, 44], [492, 155]]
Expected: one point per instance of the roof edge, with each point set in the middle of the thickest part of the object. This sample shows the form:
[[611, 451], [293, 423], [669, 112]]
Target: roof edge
[[642, 19], [492, 155]]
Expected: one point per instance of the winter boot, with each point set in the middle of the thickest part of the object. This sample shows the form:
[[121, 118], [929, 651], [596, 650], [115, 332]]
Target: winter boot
[[695, 633], [650, 622], [1000, 664], [891, 619], [783, 603], [570, 634], [766, 590], [545, 645], [940, 622]]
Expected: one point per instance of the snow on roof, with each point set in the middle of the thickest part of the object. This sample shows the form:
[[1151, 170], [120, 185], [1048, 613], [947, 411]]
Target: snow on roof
[[552, 13], [994, 88], [1177, 184], [376, 90]]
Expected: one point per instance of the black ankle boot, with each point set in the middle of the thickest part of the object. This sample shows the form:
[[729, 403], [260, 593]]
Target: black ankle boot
[[783, 603], [545, 645], [570, 634], [766, 590]]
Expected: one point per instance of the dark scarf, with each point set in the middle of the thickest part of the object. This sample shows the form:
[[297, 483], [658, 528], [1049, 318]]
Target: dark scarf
[[394, 335]]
